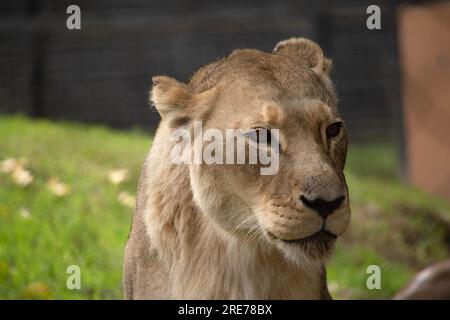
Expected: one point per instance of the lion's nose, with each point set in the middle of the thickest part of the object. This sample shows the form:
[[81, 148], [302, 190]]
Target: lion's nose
[[323, 207]]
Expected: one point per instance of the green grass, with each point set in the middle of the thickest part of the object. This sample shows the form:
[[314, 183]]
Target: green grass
[[87, 228], [394, 226]]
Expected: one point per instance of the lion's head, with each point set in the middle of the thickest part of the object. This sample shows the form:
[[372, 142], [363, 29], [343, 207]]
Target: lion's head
[[304, 206]]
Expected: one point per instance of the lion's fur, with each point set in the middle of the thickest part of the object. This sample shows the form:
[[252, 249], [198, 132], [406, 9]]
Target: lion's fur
[[197, 232]]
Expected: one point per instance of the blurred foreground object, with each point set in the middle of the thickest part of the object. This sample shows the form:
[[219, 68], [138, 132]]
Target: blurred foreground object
[[424, 39], [432, 283]]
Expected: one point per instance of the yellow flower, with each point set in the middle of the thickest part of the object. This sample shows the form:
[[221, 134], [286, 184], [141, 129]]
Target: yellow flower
[[37, 290], [126, 199], [117, 176], [58, 188], [333, 287], [21, 176], [8, 165], [24, 213]]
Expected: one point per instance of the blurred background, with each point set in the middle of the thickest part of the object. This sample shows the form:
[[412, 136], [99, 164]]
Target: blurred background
[[75, 125]]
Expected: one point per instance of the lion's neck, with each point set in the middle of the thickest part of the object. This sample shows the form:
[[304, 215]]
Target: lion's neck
[[205, 264], [233, 268]]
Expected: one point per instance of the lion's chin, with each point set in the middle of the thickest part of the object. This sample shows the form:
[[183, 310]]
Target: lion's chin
[[315, 249]]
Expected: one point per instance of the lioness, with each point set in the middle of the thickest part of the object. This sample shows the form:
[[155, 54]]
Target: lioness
[[225, 231]]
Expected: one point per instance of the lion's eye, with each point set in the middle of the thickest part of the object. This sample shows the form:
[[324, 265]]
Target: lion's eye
[[260, 135], [334, 129]]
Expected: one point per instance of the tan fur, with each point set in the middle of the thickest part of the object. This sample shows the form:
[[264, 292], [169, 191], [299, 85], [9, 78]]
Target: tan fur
[[433, 283], [222, 231]]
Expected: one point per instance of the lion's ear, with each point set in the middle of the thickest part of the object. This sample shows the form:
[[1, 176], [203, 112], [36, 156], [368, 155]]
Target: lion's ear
[[173, 98], [306, 50], [169, 95]]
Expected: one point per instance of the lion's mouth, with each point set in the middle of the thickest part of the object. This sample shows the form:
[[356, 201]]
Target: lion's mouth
[[322, 236], [316, 246]]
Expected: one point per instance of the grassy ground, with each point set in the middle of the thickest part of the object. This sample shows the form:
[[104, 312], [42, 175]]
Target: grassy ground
[[394, 226]]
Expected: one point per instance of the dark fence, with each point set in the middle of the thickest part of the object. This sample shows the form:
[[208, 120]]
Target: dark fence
[[102, 73]]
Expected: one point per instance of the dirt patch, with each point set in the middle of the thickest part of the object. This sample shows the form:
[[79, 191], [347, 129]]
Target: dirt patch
[[415, 237], [432, 218]]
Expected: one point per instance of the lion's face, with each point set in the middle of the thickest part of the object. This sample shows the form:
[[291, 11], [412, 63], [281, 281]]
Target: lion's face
[[303, 206]]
